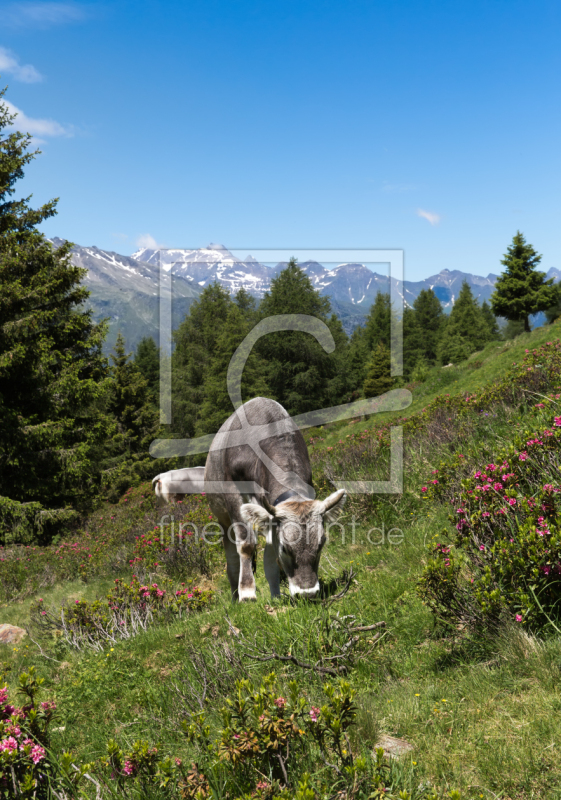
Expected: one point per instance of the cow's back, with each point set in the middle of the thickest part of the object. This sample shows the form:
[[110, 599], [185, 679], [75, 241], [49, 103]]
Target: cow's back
[[239, 462]]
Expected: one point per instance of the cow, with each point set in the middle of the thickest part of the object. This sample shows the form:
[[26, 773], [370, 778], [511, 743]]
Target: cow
[[260, 447], [174, 485]]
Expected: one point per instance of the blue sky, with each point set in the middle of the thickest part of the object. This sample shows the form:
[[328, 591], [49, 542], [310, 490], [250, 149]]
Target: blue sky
[[428, 126]]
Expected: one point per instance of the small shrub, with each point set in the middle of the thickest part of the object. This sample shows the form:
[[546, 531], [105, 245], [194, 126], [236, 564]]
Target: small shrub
[[505, 555], [27, 766], [128, 609]]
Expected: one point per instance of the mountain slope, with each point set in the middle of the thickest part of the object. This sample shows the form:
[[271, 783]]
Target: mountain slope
[[126, 291]]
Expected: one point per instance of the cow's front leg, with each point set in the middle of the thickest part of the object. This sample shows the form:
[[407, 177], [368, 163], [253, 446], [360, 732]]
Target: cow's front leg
[[272, 571], [246, 545]]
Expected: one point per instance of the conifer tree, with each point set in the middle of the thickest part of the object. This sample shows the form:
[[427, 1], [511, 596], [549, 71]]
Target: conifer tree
[[53, 376], [466, 330], [357, 359], [491, 320], [135, 424], [301, 375], [429, 314], [195, 341], [378, 322], [378, 377], [147, 360], [413, 340], [522, 290], [217, 405]]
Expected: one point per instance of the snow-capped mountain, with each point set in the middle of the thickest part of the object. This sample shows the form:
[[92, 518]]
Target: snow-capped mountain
[[349, 284], [209, 264], [126, 288], [127, 293]]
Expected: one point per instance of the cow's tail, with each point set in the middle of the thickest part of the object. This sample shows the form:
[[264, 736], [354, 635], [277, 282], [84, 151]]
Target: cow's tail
[[157, 484]]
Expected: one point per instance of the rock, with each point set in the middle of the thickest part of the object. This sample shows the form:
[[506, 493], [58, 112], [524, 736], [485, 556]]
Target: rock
[[10, 634], [393, 748]]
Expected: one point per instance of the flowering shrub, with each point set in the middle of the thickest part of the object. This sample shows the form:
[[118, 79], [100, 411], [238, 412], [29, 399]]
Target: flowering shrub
[[269, 747], [26, 766], [124, 612], [446, 420], [269, 743], [505, 555], [178, 552], [110, 543]]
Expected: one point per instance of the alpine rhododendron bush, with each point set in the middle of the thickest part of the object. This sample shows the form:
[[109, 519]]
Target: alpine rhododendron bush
[[128, 609], [266, 746], [504, 557], [131, 535]]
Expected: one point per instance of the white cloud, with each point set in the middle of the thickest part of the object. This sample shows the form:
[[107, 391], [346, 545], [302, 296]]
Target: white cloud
[[37, 127], [43, 15], [147, 241], [21, 72], [430, 216]]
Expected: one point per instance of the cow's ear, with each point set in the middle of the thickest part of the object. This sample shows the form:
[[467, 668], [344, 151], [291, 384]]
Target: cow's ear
[[332, 506], [256, 516]]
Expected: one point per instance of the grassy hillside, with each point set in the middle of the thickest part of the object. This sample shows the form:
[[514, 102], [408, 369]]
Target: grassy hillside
[[479, 706]]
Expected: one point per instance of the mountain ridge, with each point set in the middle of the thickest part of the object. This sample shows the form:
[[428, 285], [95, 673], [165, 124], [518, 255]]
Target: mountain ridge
[[126, 288]]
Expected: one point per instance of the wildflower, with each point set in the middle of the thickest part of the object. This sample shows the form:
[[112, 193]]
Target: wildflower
[[8, 744], [280, 702], [128, 768], [314, 713], [519, 617], [482, 547], [37, 753]]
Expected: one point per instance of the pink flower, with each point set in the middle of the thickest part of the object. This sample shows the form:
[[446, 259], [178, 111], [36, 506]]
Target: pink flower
[[497, 487], [314, 713], [519, 617], [512, 501], [482, 547], [8, 744], [37, 753], [557, 422], [3, 694], [128, 768], [280, 702]]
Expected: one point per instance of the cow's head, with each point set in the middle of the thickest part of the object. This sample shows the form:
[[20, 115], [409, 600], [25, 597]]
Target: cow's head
[[295, 529]]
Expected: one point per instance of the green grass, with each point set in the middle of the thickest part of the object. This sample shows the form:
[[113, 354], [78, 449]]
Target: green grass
[[482, 712]]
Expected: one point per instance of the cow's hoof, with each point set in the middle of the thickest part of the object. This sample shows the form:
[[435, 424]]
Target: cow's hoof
[[246, 594]]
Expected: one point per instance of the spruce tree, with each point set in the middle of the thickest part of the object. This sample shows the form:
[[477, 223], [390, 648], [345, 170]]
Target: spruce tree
[[378, 322], [378, 377], [301, 375], [53, 376], [413, 340], [217, 405], [195, 343], [429, 314], [135, 424], [491, 320], [466, 330], [357, 360], [522, 290], [147, 360]]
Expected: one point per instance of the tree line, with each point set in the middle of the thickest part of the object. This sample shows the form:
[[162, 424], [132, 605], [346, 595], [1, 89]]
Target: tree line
[[75, 427]]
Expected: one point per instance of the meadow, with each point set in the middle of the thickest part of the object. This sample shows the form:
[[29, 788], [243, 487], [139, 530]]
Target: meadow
[[165, 689]]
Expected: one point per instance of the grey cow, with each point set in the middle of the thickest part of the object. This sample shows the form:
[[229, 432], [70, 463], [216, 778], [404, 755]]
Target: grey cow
[[260, 447]]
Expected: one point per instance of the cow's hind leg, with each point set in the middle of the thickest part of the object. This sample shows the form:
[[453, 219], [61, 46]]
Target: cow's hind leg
[[232, 565], [272, 571]]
